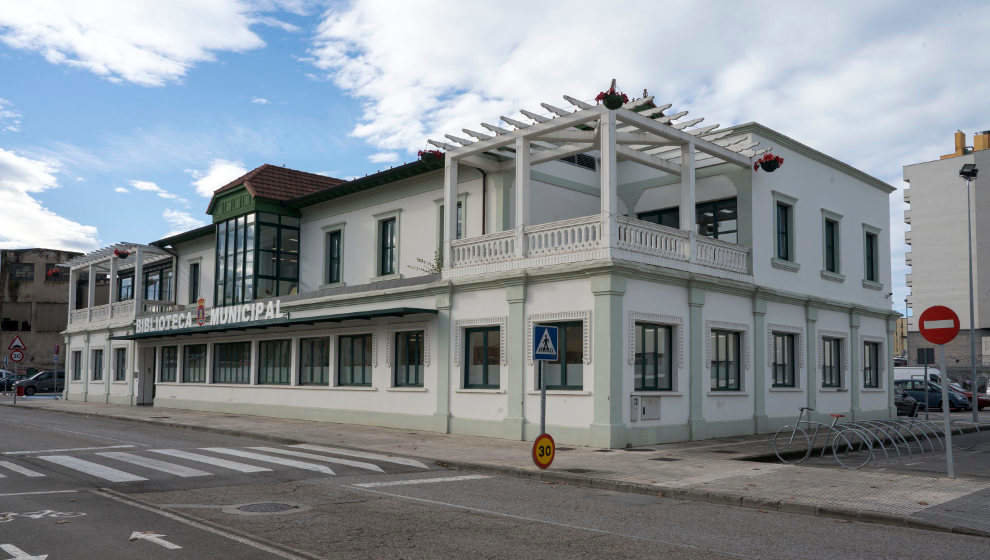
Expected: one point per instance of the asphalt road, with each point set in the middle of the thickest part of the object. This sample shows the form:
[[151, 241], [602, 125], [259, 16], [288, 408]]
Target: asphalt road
[[404, 511]]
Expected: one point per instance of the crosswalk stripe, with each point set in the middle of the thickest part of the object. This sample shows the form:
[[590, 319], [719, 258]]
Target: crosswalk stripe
[[21, 470], [215, 461], [270, 459], [325, 459], [156, 465], [92, 469], [363, 455]]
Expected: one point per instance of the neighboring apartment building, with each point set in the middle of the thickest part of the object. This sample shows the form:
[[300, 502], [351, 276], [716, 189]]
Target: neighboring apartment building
[[938, 251], [697, 297], [33, 304]]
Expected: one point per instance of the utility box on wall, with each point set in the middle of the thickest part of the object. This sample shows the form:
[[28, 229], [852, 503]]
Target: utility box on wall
[[644, 408]]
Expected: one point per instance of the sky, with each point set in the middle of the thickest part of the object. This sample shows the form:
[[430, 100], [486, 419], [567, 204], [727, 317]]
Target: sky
[[118, 119]]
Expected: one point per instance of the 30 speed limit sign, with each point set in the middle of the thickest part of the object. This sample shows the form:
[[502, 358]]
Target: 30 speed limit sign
[[544, 450]]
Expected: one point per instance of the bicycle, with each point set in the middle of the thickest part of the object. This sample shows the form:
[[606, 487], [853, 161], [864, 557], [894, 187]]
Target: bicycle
[[851, 447]]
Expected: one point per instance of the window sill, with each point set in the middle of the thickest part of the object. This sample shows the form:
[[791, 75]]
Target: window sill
[[406, 389], [93, 382], [833, 390], [727, 394], [488, 391], [786, 390], [871, 285], [873, 390], [833, 276], [563, 392], [332, 285], [785, 265], [386, 277], [351, 388], [119, 382], [232, 385], [657, 394]]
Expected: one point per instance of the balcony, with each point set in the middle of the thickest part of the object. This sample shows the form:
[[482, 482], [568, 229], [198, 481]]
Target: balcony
[[907, 216], [907, 280], [581, 239], [907, 196], [907, 237]]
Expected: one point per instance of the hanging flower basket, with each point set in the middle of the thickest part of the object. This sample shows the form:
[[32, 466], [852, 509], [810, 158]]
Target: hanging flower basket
[[120, 253], [768, 163], [612, 98], [430, 155]]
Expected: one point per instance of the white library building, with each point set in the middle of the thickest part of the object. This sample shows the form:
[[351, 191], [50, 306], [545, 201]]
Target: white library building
[[706, 282]]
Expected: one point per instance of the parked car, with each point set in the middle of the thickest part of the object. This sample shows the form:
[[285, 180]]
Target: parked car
[[43, 382], [905, 403], [916, 388], [8, 378], [982, 401]]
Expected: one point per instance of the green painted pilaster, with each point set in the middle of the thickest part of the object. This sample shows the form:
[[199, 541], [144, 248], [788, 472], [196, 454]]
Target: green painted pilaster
[[760, 364], [855, 372], [87, 360], [696, 371], [811, 356], [515, 296], [608, 430], [890, 366], [444, 344]]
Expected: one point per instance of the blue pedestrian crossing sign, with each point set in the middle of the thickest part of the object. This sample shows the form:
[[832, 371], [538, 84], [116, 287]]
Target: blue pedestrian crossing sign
[[544, 342]]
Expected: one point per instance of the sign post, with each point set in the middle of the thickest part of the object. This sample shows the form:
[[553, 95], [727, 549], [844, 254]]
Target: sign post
[[545, 348], [939, 325]]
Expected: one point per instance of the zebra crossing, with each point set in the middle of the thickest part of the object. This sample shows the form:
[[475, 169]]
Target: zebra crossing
[[118, 466]]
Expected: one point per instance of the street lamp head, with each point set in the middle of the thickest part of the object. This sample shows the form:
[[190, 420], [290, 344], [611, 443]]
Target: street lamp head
[[968, 171]]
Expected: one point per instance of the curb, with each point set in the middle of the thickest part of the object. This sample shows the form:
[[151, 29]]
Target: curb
[[690, 494]]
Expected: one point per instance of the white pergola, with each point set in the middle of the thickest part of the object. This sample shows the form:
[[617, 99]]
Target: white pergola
[[105, 260], [639, 131]]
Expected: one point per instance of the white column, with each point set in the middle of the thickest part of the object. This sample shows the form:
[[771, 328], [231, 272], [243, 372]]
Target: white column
[[609, 179], [449, 208], [112, 298], [90, 292], [294, 361], [521, 193], [138, 281], [686, 210], [73, 280]]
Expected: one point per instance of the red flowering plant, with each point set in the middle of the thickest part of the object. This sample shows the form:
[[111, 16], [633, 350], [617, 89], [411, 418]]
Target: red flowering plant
[[612, 98], [768, 162], [429, 155], [121, 253]]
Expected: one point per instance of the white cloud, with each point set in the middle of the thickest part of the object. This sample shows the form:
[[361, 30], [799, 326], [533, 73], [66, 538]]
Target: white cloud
[[219, 173], [26, 223], [867, 83], [260, 101], [147, 43], [147, 186], [180, 221], [383, 157], [121, 190], [10, 120]]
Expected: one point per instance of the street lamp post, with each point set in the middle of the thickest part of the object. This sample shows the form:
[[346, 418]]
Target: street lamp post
[[968, 172]]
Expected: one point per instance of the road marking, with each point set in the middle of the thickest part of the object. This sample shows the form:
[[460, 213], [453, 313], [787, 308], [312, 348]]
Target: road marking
[[422, 481], [215, 461], [18, 554], [347, 462], [155, 464], [87, 434], [64, 450], [21, 470], [363, 455], [92, 469], [40, 493], [270, 459], [153, 537]]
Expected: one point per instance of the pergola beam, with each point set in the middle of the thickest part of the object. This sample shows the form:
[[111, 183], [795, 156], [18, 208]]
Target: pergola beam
[[648, 160], [561, 152], [630, 117], [552, 125]]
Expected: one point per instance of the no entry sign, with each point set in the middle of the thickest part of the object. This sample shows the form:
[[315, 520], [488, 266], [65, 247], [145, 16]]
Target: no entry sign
[[939, 324]]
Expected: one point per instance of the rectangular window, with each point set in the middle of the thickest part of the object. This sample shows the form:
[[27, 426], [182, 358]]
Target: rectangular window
[[871, 365], [56, 273], [257, 256], [783, 360], [232, 362], [314, 361], [654, 358], [193, 282], [784, 232], [274, 362], [120, 364], [443, 225], [170, 363], [482, 358], [831, 245], [567, 371], [333, 256], [725, 361], [872, 273], [194, 363], [386, 247], [152, 285], [22, 271], [832, 362], [125, 288], [76, 365], [97, 365], [670, 217], [926, 356], [718, 219], [408, 359], [354, 360]]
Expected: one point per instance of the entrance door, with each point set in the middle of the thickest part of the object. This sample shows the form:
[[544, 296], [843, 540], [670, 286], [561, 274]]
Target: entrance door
[[145, 391]]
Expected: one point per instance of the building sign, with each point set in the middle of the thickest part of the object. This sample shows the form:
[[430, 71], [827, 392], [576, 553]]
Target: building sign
[[217, 317]]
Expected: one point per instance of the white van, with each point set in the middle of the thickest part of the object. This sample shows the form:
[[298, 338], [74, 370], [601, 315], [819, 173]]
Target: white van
[[918, 372]]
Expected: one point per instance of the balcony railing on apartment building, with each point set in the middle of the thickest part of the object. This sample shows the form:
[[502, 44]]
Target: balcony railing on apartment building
[[118, 312], [581, 239]]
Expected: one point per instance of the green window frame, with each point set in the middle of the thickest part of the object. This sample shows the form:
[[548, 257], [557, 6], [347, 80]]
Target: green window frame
[[387, 246], [871, 273], [566, 373], [125, 287], [871, 365], [482, 358], [170, 364], [194, 363], [354, 360], [831, 245], [408, 361], [275, 362], [653, 361], [334, 256], [193, 282], [314, 361], [97, 365], [784, 360], [232, 363], [257, 256], [76, 365], [726, 366], [784, 216], [120, 364], [831, 363]]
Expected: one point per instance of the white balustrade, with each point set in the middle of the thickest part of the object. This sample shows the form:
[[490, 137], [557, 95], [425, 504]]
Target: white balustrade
[[719, 254], [653, 239], [565, 236], [100, 313], [79, 316], [485, 249], [123, 309]]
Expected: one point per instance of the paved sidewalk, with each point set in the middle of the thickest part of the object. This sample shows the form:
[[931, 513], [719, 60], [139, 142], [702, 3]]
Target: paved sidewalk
[[703, 470]]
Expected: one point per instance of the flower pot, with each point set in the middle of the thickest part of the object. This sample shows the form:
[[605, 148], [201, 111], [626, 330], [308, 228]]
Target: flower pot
[[770, 165], [613, 101]]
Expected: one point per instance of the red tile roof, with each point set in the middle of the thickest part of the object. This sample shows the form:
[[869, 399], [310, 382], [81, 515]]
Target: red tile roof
[[280, 183]]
